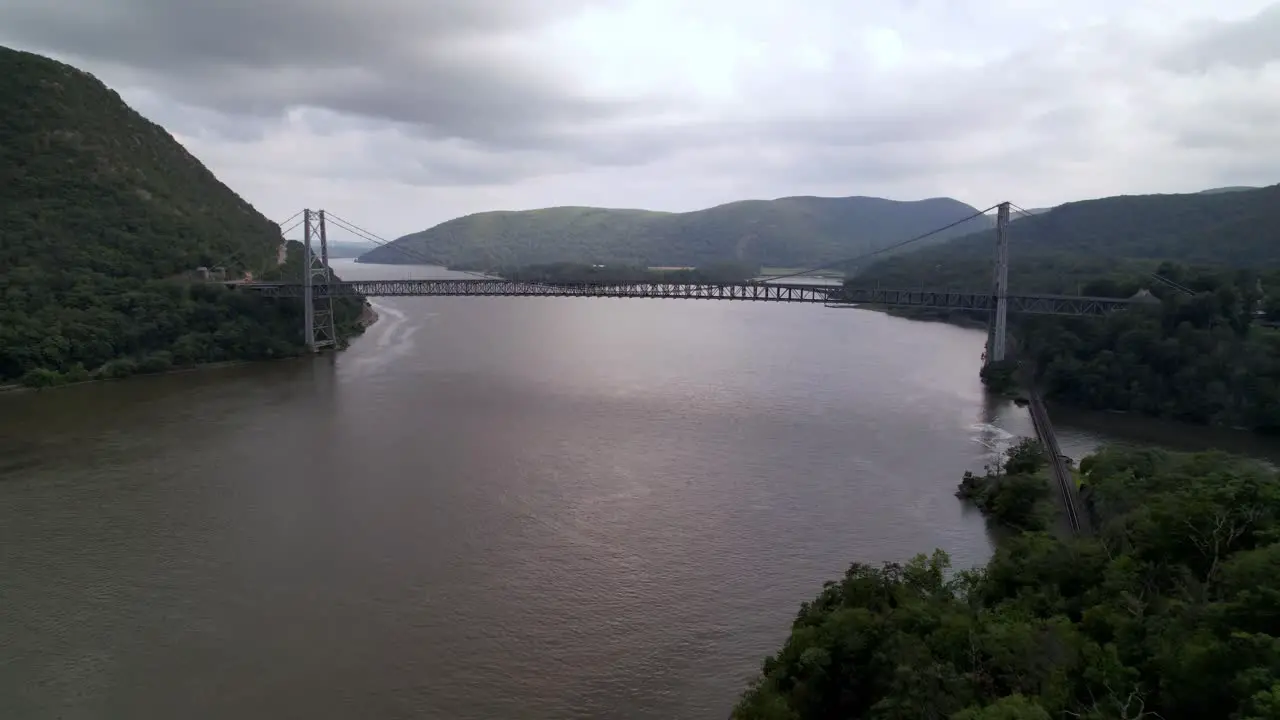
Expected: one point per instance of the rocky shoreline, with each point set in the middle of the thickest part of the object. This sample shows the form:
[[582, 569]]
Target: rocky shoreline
[[368, 315]]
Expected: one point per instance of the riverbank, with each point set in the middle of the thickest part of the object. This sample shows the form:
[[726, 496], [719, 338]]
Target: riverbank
[[957, 318], [201, 367], [368, 316], [1078, 377]]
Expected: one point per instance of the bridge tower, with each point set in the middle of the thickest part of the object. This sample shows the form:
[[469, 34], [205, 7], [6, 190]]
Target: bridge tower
[[317, 301], [997, 325]]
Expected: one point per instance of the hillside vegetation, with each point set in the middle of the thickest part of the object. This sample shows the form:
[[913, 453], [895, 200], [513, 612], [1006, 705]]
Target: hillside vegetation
[[102, 213], [1170, 612], [1055, 251], [789, 232], [1202, 358]]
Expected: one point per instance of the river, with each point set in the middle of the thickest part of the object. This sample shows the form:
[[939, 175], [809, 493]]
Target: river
[[485, 508]]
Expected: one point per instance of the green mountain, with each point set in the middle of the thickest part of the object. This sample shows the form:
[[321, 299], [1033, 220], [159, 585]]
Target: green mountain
[[1079, 242], [104, 219], [789, 232]]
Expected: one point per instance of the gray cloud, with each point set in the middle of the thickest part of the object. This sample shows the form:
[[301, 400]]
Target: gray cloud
[[438, 66], [1250, 43], [470, 99], [169, 34]]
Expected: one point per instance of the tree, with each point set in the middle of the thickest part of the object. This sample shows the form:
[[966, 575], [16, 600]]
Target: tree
[[1171, 611], [1013, 707]]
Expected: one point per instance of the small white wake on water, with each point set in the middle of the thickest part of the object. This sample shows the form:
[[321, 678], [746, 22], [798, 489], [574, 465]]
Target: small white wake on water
[[995, 439], [390, 333], [394, 338]]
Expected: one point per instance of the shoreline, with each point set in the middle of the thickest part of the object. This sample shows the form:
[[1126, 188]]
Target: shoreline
[[916, 314], [368, 316], [19, 388], [1017, 394]]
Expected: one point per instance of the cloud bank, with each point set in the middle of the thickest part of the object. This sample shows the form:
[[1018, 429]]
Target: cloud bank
[[399, 114]]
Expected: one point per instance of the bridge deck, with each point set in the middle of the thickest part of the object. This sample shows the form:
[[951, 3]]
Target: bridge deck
[[766, 292]]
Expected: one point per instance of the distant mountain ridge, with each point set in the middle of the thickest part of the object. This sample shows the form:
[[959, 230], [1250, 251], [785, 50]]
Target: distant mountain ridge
[[787, 232], [1238, 228], [1208, 191]]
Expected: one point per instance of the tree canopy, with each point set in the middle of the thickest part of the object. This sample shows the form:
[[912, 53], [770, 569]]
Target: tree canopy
[[1211, 357], [1172, 610]]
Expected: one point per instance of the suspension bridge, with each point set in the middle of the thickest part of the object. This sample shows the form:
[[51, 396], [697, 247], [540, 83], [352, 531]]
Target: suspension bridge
[[318, 288]]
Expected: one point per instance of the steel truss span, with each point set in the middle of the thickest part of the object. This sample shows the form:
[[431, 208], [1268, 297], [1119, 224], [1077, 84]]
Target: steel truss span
[[1027, 304], [767, 292], [507, 288]]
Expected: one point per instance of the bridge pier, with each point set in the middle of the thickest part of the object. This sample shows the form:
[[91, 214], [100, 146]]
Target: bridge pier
[[318, 329], [997, 324]]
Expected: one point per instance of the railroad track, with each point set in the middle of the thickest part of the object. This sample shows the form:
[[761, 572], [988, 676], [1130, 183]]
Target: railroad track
[[1057, 466]]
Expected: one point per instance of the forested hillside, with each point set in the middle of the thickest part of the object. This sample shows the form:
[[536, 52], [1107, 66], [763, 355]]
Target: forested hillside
[[1055, 251], [101, 211], [789, 232]]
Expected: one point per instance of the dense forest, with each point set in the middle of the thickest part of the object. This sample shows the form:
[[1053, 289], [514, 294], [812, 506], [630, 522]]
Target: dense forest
[[1170, 611], [104, 219], [1206, 354], [795, 232]]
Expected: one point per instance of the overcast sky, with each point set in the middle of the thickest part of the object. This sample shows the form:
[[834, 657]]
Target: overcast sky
[[398, 114]]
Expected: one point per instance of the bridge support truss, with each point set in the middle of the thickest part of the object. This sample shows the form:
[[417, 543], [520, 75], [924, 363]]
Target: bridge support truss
[[319, 330], [834, 296], [997, 324]]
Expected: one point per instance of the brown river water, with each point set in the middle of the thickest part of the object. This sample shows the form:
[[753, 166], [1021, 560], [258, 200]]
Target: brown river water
[[542, 508]]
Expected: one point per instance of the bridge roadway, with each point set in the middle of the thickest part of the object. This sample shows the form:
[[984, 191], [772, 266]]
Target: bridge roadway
[[759, 291]]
